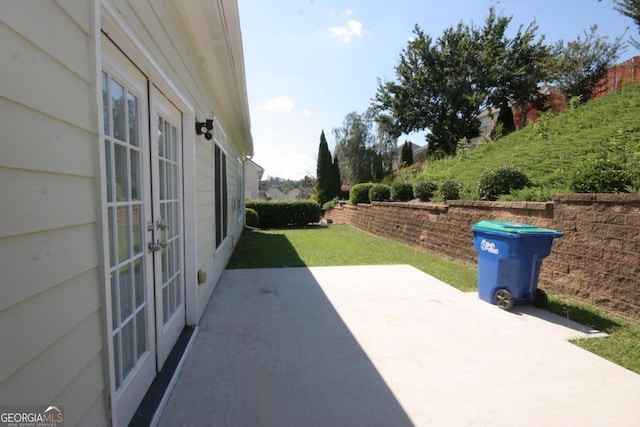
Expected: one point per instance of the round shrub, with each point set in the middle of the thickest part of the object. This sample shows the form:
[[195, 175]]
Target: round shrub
[[450, 190], [379, 193], [359, 193], [424, 190], [601, 176], [401, 191], [252, 218], [494, 183]]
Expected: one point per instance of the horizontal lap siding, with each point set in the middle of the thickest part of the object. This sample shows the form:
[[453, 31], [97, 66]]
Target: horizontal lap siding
[[25, 194], [51, 295], [50, 146]]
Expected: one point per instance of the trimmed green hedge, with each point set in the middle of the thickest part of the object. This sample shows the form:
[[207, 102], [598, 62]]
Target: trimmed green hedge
[[281, 213], [450, 190], [252, 218], [424, 190], [401, 191], [495, 182], [359, 193], [379, 193]]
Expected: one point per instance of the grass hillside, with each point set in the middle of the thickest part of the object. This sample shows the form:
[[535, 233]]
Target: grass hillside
[[552, 149]]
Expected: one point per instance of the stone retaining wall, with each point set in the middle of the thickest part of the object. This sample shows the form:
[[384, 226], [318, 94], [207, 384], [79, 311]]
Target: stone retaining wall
[[596, 262]]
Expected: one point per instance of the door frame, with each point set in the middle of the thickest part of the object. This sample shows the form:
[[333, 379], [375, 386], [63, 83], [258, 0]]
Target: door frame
[[161, 106], [109, 22], [121, 70]]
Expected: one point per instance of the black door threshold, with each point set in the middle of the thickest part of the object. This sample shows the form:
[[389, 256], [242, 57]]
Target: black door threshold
[[149, 405]]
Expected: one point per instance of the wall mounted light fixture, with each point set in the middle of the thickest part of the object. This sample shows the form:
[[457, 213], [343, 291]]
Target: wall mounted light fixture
[[204, 128]]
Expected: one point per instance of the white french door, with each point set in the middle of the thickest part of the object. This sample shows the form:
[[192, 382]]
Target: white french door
[[144, 213], [166, 231]]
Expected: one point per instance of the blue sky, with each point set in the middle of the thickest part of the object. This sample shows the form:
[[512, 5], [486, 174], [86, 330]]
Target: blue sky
[[311, 62]]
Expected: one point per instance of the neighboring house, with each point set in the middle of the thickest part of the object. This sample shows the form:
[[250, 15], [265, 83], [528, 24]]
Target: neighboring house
[[275, 194], [117, 217], [263, 187], [551, 98], [488, 119], [294, 194], [252, 176]]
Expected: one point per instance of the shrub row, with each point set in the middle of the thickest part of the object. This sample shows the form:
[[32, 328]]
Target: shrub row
[[595, 176], [285, 213], [402, 191]]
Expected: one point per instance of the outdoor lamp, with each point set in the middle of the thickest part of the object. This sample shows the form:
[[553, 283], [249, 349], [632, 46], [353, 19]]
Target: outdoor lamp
[[204, 128]]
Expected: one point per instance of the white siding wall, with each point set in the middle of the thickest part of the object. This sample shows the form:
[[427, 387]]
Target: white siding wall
[[52, 290], [251, 181], [51, 295], [162, 32]]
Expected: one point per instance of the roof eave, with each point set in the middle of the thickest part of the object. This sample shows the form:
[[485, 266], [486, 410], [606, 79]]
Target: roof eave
[[214, 28]]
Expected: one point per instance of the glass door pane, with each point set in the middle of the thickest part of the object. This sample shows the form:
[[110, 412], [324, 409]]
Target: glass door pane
[[125, 215]]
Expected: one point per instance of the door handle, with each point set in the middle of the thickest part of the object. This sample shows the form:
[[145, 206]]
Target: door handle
[[154, 247], [162, 224]]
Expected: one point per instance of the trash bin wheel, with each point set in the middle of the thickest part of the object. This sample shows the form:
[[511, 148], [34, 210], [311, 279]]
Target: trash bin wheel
[[503, 299], [541, 299]]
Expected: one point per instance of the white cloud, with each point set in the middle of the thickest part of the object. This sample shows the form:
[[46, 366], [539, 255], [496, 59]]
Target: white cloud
[[288, 164], [278, 105], [346, 32], [306, 112], [348, 12]]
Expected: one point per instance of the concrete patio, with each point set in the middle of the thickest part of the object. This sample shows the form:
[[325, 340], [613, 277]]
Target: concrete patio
[[387, 346]]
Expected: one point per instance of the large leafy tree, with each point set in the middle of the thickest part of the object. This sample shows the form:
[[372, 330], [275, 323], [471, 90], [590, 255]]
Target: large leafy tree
[[443, 84], [365, 148], [354, 140], [386, 143], [577, 66], [630, 9]]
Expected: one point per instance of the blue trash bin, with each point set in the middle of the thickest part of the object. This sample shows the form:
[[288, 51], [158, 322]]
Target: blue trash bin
[[509, 258]]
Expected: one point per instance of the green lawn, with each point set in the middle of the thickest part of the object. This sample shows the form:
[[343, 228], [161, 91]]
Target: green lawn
[[340, 245]]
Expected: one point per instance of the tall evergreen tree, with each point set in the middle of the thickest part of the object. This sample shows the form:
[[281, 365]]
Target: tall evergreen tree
[[323, 171], [406, 155], [334, 180]]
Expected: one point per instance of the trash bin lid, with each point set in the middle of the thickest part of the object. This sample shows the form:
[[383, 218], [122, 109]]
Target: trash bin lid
[[507, 228]]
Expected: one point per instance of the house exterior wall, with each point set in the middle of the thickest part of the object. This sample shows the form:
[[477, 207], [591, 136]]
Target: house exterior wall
[[53, 298], [253, 174], [52, 329]]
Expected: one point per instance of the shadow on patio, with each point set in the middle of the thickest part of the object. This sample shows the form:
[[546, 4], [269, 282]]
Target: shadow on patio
[[272, 350], [386, 346]]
